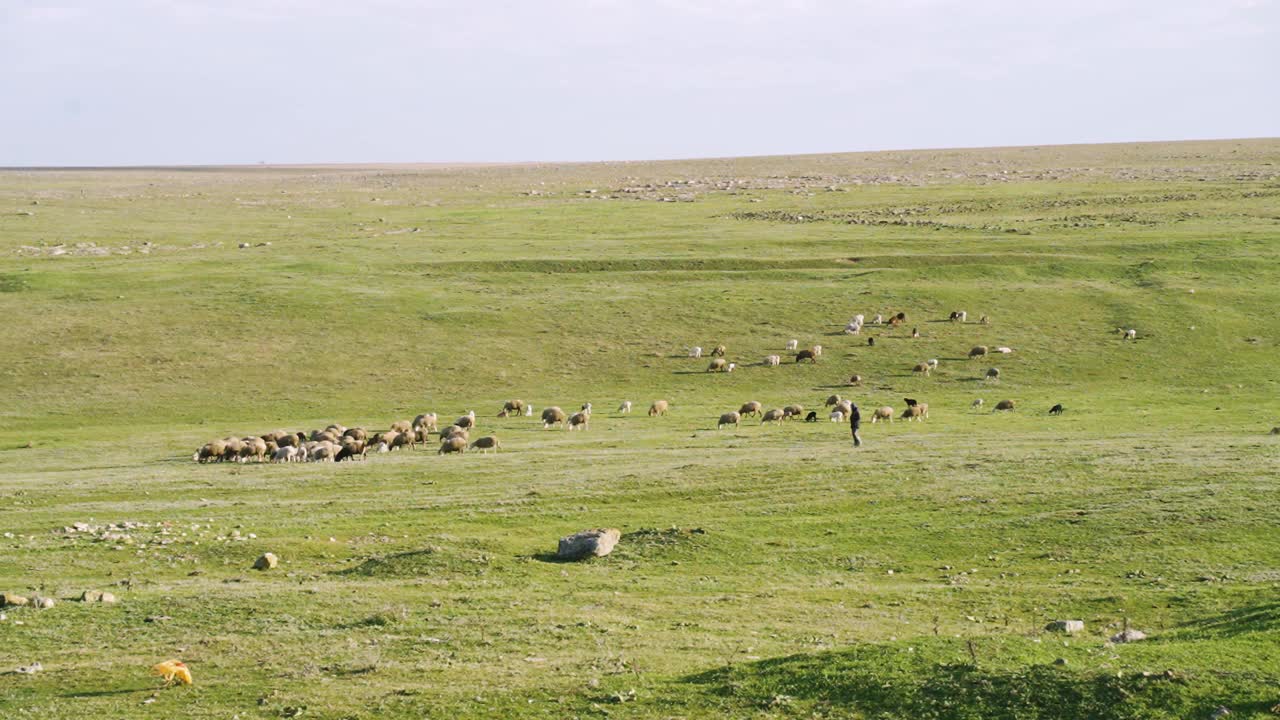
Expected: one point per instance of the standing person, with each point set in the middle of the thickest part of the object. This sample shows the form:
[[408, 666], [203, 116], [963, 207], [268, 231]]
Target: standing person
[[855, 422]]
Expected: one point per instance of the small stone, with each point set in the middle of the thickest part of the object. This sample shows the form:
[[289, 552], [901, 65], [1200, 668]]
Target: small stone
[[266, 562], [1128, 636], [13, 600], [1065, 626], [588, 543]]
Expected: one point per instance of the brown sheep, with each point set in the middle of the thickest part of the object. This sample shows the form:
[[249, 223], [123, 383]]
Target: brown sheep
[[456, 444], [855, 379], [919, 411], [553, 416], [512, 406], [729, 418], [977, 351], [806, 355], [719, 351], [832, 400], [580, 420], [231, 448], [771, 416], [211, 452], [845, 407], [751, 408], [426, 422], [485, 444], [357, 433], [455, 431], [285, 439], [717, 365], [397, 440], [325, 436], [922, 368], [467, 421], [993, 374], [659, 407], [882, 413], [401, 426], [1004, 405], [791, 411]]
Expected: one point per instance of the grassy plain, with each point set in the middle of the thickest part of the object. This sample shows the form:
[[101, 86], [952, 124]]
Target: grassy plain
[[765, 571]]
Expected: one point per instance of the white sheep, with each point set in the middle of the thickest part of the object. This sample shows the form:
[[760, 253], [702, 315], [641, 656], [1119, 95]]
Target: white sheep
[[877, 320], [625, 407], [837, 416], [731, 367], [528, 411], [695, 351], [933, 363], [817, 350], [1129, 334], [1004, 350], [853, 329], [793, 344], [773, 360], [857, 319], [976, 404]]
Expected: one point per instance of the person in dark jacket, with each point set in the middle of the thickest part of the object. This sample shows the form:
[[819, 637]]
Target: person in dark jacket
[[855, 422]]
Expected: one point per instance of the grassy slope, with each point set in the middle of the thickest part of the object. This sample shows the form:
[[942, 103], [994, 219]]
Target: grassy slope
[[1153, 499]]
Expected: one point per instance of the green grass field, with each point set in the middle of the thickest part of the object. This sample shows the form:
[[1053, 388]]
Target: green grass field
[[764, 572]]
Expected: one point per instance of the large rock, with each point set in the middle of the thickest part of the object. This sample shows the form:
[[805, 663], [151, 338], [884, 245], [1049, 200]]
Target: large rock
[[1128, 636], [92, 596], [12, 600], [1065, 626], [588, 543], [266, 562]]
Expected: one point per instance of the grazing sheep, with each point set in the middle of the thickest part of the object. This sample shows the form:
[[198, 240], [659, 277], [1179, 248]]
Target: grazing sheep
[[325, 436], [255, 448], [528, 411], [659, 407], [695, 351], [919, 411], [845, 406], [211, 452], [729, 418], [401, 439], [445, 434], [580, 420], [287, 453], [455, 444], [731, 367], [719, 351], [357, 433], [791, 411], [426, 421], [976, 404], [882, 413], [855, 379], [485, 444], [322, 451], [1004, 350], [871, 342], [960, 316], [837, 416], [915, 332], [911, 402], [985, 320], [467, 421], [773, 360], [894, 322], [832, 400], [351, 450], [792, 344], [993, 375], [289, 439], [877, 320], [717, 365], [1004, 405], [1130, 334], [772, 416], [817, 350], [900, 317], [512, 407], [922, 368], [977, 351], [1057, 409], [852, 329], [751, 407], [553, 416], [586, 407], [625, 407], [812, 416], [806, 355], [232, 447], [402, 426]]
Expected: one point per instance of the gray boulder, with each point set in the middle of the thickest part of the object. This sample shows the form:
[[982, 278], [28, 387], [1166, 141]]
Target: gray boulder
[[588, 543]]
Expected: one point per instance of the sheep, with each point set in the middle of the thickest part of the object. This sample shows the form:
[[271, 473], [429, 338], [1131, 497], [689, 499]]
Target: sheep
[[357, 433], [397, 440], [485, 444], [288, 453], [553, 416], [792, 344], [1004, 350], [919, 411], [837, 416], [894, 322], [993, 375], [402, 426], [857, 319], [915, 332], [806, 355], [512, 406], [751, 407], [1004, 405], [812, 416], [772, 416], [845, 406], [659, 407], [729, 418], [322, 451], [877, 320], [882, 413], [210, 452], [426, 421], [791, 411], [855, 379], [289, 439], [528, 411], [985, 320], [717, 365], [586, 407], [977, 403], [719, 351], [1057, 409], [445, 434], [625, 407], [852, 329], [231, 448], [580, 420], [255, 448], [922, 368], [900, 317], [773, 360], [911, 402], [456, 444], [731, 367], [871, 342], [817, 350], [695, 352], [832, 400], [1129, 334], [351, 449], [932, 363], [977, 351], [467, 421], [959, 316]]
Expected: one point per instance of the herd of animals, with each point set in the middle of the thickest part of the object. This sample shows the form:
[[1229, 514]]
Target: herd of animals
[[336, 443]]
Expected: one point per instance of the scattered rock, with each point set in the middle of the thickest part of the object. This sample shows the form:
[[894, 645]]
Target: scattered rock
[[588, 543], [44, 603], [1128, 636], [266, 562], [13, 600], [1065, 626]]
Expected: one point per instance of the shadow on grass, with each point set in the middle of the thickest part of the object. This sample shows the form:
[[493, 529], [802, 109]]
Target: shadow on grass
[[110, 693], [1262, 617]]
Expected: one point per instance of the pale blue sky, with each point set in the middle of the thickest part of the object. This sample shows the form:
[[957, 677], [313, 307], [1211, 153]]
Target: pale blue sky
[[108, 82]]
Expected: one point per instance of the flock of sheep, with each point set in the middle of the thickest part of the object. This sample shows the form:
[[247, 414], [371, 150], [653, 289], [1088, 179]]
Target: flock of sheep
[[336, 443]]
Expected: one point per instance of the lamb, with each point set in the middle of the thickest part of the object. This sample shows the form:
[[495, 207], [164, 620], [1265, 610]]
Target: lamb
[[659, 407], [922, 368], [1057, 409], [852, 329], [731, 367], [977, 351], [553, 416], [695, 352], [719, 351], [485, 444], [792, 344], [932, 363], [915, 332], [791, 411], [976, 404], [817, 350], [357, 433], [580, 420], [772, 416], [528, 411], [855, 379], [993, 375], [812, 416], [512, 407], [586, 407], [717, 365], [878, 319], [919, 411], [426, 421], [286, 454], [773, 360], [832, 400], [882, 413], [806, 355], [625, 407], [959, 316], [837, 416], [456, 444], [1004, 405], [751, 407], [1129, 334], [1004, 350], [729, 418]]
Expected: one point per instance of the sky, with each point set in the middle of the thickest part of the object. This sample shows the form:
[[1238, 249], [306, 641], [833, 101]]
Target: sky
[[167, 82]]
